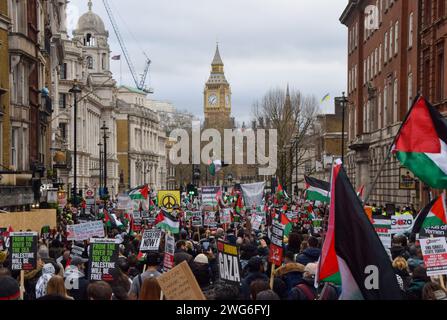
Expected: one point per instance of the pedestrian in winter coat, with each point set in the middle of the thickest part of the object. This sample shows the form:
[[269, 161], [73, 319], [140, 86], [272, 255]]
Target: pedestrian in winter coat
[[291, 272], [255, 271], [305, 290], [420, 278], [311, 254]]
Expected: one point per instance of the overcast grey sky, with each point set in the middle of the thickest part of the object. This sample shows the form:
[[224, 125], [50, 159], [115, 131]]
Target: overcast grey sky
[[264, 44]]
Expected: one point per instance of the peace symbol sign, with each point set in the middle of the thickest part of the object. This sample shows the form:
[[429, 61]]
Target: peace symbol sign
[[168, 202]]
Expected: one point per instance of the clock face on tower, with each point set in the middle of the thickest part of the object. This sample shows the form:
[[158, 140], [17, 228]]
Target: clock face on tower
[[212, 100]]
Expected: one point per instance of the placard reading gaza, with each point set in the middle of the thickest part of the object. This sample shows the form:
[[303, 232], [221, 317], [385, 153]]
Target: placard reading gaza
[[229, 263], [151, 240], [23, 250], [103, 256]]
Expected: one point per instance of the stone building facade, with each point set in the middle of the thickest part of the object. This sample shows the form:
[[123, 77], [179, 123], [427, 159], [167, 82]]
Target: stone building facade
[[382, 83]]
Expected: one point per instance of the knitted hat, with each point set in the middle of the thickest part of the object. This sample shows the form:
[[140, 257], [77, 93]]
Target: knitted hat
[[201, 258], [9, 288]]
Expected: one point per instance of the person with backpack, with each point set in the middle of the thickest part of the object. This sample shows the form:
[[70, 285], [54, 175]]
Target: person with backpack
[[305, 289], [152, 262]]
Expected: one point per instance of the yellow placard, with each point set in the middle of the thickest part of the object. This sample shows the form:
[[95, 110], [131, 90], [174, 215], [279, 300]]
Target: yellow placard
[[168, 199]]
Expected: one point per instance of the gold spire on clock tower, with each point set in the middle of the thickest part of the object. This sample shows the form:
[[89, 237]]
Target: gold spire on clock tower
[[217, 94]]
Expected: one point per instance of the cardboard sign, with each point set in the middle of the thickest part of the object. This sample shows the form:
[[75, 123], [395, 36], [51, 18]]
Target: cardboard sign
[[168, 261], [401, 223], [229, 264], [180, 284], [103, 256], [168, 199], [210, 219], [276, 249], [225, 216], [23, 250], [84, 231], [150, 241], [434, 251]]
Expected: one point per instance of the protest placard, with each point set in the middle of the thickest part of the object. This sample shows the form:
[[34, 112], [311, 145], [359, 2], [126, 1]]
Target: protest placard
[[210, 219], [383, 229], [276, 249], [209, 196], [401, 223], [23, 250], [317, 225], [256, 222], [150, 241], [196, 219], [229, 263], [180, 284], [225, 216], [103, 256], [434, 251], [84, 231], [76, 251], [168, 261]]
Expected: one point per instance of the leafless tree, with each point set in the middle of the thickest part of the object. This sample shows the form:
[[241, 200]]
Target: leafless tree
[[293, 116]]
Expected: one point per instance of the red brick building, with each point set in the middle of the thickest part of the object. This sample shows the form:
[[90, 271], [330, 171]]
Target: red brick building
[[383, 55], [432, 68]]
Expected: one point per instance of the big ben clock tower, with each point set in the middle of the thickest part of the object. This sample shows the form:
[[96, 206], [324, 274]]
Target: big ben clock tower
[[217, 96]]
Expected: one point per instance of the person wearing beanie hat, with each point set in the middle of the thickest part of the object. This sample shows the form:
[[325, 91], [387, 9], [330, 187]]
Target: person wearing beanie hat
[[201, 258], [201, 270], [9, 288], [305, 289]]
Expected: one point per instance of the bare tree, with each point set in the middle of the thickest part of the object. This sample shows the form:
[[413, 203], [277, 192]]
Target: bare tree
[[293, 116]]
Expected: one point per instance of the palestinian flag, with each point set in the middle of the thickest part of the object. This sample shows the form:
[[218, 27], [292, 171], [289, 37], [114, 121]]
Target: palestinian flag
[[360, 192], [279, 192], [352, 246], [107, 219], [286, 223], [167, 222], [430, 220], [239, 205], [139, 193], [317, 190], [216, 166], [421, 145]]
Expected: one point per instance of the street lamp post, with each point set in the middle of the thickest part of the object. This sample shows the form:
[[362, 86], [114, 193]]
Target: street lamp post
[[104, 128], [344, 101], [75, 90], [100, 165]]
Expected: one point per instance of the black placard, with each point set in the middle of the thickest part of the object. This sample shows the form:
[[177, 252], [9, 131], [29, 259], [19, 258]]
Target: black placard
[[23, 250], [103, 255]]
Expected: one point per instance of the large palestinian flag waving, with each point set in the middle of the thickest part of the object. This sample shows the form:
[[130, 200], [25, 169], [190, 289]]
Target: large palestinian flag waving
[[352, 249], [421, 145], [167, 222], [317, 190], [432, 220]]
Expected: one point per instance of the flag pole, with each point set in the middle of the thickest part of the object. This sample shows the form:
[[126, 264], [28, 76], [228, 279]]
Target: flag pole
[[390, 150]]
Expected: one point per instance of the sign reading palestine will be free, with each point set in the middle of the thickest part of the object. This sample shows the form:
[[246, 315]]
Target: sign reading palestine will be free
[[23, 250], [103, 256]]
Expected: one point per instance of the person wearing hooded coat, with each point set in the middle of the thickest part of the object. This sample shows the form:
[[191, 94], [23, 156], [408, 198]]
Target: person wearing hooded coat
[[48, 272]]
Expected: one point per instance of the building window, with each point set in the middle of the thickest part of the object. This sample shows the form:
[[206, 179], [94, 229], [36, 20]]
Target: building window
[[90, 62], [410, 30], [89, 40], [62, 100], [390, 56], [63, 130], [396, 38], [1, 141], [380, 58], [379, 108], [364, 71], [395, 102], [410, 90], [63, 71], [385, 106], [385, 49], [427, 12], [426, 74], [441, 8], [14, 147], [377, 61], [104, 61], [440, 73]]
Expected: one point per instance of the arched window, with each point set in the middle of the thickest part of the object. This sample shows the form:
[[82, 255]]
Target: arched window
[[90, 62], [89, 40]]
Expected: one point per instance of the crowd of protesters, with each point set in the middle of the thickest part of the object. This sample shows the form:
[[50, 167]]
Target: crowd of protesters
[[135, 277]]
